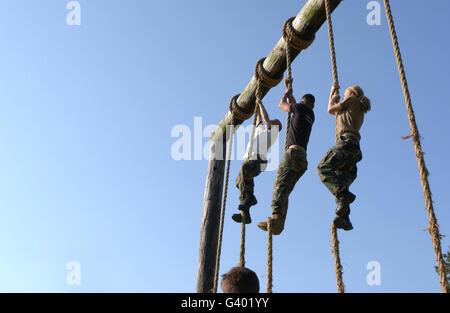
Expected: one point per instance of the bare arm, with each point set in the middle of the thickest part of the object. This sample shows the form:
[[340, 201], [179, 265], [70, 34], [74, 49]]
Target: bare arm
[[285, 102], [334, 106], [287, 99], [263, 114]]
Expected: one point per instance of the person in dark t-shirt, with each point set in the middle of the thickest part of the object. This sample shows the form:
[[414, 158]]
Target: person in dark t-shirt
[[294, 162], [301, 122]]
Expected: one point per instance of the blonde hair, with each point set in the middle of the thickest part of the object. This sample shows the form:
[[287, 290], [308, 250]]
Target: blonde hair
[[359, 93]]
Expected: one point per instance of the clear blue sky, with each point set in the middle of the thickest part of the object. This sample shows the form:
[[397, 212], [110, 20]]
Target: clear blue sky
[[86, 172]]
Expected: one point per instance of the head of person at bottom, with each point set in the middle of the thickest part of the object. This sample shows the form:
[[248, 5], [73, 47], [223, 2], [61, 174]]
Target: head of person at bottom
[[240, 280], [276, 124], [356, 91], [308, 100]]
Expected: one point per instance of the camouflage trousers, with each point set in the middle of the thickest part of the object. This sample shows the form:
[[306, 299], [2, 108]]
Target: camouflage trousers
[[249, 170], [292, 167], [337, 170]]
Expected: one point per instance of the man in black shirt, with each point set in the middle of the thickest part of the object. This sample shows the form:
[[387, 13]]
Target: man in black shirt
[[294, 163]]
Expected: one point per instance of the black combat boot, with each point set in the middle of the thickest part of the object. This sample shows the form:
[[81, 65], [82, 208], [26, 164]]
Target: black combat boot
[[237, 217], [248, 201], [343, 201]]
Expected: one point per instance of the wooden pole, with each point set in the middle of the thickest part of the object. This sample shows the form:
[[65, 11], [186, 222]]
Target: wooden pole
[[211, 219], [307, 23]]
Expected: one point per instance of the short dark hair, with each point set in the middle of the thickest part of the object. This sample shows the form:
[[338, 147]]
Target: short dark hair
[[278, 124], [240, 280], [309, 98]]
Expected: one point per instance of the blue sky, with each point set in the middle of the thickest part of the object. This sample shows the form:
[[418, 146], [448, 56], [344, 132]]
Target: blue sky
[[86, 172]]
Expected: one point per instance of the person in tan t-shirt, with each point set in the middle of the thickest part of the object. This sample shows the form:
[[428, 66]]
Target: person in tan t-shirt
[[337, 170]]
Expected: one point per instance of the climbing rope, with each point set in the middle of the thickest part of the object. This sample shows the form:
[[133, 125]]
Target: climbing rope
[[259, 73], [263, 78], [293, 40], [242, 249], [337, 260], [269, 255], [222, 214], [433, 227], [239, 114], [331, 37], [258, 95], [334, 236], [289, 91]]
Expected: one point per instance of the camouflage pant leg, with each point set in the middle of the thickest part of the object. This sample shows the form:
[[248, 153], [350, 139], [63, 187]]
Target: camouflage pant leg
[[244, 182], [292, 167], [337, 170]]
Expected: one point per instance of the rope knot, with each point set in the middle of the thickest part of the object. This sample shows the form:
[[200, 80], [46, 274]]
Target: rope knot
[[236, 110], [264, 78], [293, 38]]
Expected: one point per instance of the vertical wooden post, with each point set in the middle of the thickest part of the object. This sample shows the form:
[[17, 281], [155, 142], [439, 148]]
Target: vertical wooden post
[[211, 218]]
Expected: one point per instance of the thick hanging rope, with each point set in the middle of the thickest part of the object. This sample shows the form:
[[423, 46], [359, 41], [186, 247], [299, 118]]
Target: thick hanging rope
[[331, 37], [293, 40], [237, 113], [337, 260], [334, 237], [222, 214], [433, 227], [263, 78], [269, 255], [289, 91], [242, 249], [258, 94], [252, 140], [259, 72], [269, 220]]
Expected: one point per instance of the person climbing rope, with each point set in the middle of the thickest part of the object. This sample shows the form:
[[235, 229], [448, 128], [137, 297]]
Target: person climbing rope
[[294, 163], [255, 162], [337, 170]]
